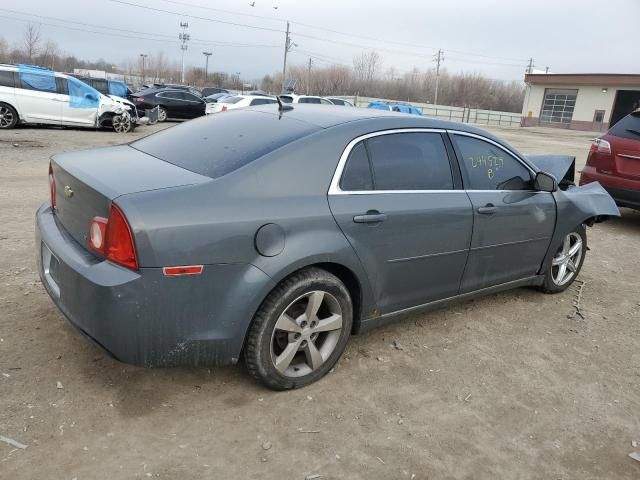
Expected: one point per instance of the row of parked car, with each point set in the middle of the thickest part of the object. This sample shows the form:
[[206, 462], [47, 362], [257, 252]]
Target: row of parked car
[[36, 95]]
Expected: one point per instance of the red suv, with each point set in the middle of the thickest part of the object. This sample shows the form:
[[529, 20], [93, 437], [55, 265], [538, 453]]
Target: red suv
[[614, 161]]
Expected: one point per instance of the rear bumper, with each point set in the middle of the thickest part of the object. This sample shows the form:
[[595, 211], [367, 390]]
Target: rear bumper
[[143, 317], [625, 191]]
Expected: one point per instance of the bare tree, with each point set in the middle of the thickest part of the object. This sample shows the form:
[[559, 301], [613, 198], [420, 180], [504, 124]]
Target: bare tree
[[366, 66], [4, 50], [31, 41], [49, 54]]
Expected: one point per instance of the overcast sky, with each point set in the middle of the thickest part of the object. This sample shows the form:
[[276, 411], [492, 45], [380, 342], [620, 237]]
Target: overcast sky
[[494, 37]]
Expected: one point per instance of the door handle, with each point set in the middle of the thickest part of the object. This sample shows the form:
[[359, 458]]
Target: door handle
[[372, 216], [488, 209]]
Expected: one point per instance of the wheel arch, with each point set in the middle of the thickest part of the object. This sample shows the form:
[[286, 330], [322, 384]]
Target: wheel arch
[[344, 273]]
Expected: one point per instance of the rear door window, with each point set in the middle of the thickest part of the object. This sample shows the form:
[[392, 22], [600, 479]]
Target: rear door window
[[628, 127], [357, 174], [399, 161], [7, 78], [486, 166], [410, 161]]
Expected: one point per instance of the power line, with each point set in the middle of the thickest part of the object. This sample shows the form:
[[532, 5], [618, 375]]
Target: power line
[[312, 37], [352, 35], [235, 24], [165, 38], [464, 60]]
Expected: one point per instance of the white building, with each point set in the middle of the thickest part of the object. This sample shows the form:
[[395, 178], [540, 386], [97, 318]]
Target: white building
[[579, 101]]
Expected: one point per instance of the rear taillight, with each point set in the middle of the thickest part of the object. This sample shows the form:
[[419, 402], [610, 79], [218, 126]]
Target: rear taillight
[[138, 99], [52, 187], [600, 146], [112, 238]]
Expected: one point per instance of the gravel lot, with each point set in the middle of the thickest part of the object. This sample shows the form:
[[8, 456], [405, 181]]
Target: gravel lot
[[515, 385]]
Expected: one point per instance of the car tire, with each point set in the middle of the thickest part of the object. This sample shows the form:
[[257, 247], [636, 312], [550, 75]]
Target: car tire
[[162, 114], [288, 345], [567, 262], [122, 123], [8, 116]]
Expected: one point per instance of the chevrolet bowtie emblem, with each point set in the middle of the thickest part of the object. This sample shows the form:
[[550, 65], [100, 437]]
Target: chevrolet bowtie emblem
[[68, 192]]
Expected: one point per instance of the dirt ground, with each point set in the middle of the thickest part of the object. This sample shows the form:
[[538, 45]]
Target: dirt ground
[[512, 386]]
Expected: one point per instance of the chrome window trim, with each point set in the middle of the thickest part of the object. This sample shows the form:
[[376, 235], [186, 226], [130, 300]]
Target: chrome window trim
[[334, 187]]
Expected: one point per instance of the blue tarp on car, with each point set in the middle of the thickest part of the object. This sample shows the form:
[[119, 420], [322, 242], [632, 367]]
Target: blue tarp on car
[[395, 107], [118, 88], [82, 95], [37, 78]]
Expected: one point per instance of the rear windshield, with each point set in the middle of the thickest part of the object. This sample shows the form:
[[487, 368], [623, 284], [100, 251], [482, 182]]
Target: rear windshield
[[216, 145], [233, 99], [628, 127]]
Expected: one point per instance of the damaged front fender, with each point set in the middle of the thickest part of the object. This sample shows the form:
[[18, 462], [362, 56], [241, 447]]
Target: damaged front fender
[[588, 204]]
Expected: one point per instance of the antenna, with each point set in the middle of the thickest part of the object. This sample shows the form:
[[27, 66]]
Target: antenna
[[282, 107]]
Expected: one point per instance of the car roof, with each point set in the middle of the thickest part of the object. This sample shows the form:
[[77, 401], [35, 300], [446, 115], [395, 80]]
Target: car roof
[[327, 116]]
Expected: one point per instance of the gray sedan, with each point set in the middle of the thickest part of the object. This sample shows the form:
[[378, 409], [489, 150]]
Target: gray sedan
[[275, 232]]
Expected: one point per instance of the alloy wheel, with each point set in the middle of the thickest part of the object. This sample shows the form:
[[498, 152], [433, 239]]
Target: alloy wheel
[[121, 123], [6, 117], [306, 333], [567, 261], [162, 115]]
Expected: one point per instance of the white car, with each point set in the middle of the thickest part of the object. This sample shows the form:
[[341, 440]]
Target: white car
[[293, 98], [238, 101], [339, 101], [36, 95]]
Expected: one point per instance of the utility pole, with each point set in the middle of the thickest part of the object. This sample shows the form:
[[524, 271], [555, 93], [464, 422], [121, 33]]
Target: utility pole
[[143, 55], [206, 66], [288, 45], [530, 66], [438, 58], [309, 75], [184, 37]]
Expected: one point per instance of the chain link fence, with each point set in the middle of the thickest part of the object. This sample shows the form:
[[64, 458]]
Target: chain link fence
[[454, 114]]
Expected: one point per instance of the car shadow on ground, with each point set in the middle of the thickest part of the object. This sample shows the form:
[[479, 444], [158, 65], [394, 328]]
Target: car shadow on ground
[[137, 391]]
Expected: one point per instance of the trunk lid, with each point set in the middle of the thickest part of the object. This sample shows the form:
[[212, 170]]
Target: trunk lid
[[626, 153], [87, 181]]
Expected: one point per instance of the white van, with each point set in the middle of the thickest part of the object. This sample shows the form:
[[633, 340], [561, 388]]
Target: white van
[[36, 95]]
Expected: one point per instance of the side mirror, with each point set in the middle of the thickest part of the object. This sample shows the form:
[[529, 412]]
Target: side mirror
[[545, 182]]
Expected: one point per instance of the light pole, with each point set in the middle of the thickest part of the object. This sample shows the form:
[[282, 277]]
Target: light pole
[[240, 82], [144, 56], [206, 66], [184, 38]]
